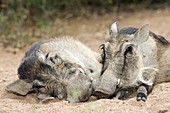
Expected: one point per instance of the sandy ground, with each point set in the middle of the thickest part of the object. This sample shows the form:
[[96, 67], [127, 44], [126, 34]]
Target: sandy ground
[[158, 101]]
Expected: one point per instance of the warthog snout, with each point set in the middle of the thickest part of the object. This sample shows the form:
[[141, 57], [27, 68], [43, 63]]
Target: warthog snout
[[107, 86]]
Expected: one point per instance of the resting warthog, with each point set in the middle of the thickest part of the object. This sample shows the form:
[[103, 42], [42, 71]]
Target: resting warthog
[[60, 68], [133, 61]]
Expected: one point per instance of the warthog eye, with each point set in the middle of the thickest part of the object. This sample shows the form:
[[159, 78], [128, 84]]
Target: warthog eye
[[129, 51], [106, 52], [102, 47], [47, 55], [106, 55], [54, 59]]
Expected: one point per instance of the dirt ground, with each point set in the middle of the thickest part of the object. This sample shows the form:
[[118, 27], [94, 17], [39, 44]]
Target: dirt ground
[[158, 101]]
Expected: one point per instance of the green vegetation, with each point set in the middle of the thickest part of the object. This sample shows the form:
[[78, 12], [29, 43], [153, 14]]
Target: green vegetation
[[17, 16]]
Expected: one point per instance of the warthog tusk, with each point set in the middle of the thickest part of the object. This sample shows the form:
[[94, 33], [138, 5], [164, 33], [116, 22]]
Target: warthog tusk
[[81, 70], [118, 81], [65, 101], [91, 78]]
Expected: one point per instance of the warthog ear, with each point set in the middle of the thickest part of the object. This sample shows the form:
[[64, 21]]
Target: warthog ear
[[114, 30], [142, 34], [20, 87]]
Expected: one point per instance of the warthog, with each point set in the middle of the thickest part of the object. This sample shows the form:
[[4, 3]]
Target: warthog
[[133, 61], [60, 68]]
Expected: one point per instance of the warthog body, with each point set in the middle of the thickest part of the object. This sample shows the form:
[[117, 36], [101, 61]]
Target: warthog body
[[133, 61], [60, 68]]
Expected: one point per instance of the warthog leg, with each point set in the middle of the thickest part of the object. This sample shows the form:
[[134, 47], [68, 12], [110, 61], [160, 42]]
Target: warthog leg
[[147, 79], [143, 91]]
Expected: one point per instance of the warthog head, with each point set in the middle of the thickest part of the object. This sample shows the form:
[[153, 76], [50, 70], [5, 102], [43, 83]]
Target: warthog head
[[121, 59], [50, 75]]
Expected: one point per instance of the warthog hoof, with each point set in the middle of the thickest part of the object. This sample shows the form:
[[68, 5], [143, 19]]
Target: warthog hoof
[[141, 96]]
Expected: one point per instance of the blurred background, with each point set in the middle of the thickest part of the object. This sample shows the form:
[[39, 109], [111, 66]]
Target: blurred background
[[23, 22]]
